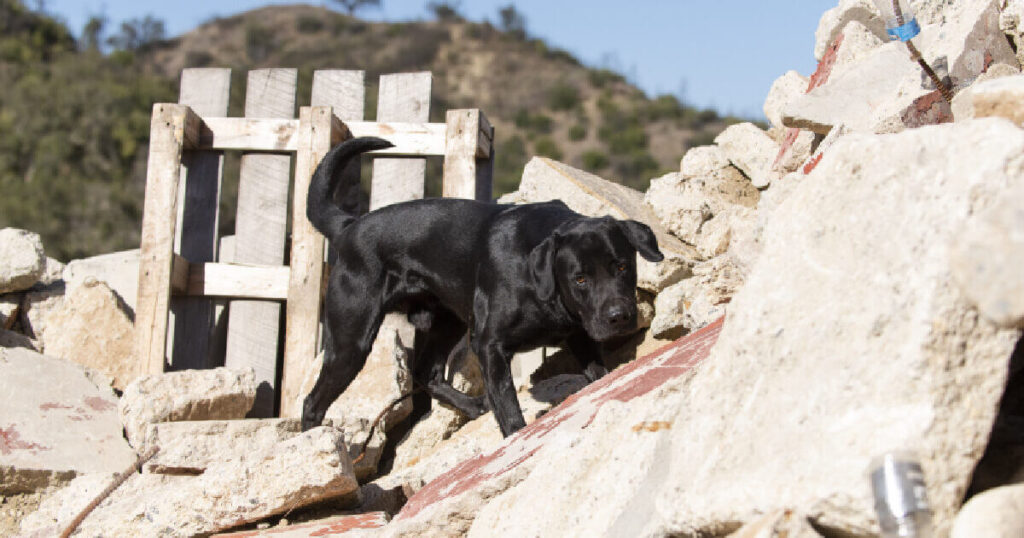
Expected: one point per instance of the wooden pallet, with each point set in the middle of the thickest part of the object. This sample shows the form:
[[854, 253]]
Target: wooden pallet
[[180, 277]]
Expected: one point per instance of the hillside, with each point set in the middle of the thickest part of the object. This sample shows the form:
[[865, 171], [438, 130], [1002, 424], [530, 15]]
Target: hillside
[[541, 101]]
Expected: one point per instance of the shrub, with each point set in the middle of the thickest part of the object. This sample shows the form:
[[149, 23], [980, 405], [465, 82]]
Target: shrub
[[577, 132], [563, 96], [309, 24], [594, 160], [545, 146]]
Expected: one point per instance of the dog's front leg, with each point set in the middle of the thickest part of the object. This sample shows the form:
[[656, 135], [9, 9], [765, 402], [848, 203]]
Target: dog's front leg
[[501, 392], [589, 354]]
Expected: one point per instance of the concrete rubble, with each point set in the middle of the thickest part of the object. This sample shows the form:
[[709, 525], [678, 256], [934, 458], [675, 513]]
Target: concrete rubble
[[218, 394], [304, 470], [46, 429], [842, 281], [22, 261]]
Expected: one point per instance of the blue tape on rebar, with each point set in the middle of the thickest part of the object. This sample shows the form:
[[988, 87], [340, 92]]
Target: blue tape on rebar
[[905, 32]]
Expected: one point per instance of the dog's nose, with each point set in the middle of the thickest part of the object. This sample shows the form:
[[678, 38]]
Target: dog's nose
[[618, 315]]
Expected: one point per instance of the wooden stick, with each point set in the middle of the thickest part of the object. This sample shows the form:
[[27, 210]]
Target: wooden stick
[[118, 480]]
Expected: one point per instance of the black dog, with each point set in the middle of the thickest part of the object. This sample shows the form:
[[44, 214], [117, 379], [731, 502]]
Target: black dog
[[518, 276]]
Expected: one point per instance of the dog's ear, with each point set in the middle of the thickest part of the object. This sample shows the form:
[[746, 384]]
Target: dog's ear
[[542, 265], [642, 239]]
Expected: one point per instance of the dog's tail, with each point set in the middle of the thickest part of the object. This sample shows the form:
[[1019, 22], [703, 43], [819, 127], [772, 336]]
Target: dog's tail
[[322, 212]]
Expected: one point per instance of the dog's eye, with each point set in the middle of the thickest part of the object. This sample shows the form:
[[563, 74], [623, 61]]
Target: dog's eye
[[580, 279], [622, 267]]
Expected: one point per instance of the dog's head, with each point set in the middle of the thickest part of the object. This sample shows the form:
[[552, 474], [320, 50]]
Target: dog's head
[[590, 265]]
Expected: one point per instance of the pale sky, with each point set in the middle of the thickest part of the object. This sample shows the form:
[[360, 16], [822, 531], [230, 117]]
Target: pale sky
[[722, 54]]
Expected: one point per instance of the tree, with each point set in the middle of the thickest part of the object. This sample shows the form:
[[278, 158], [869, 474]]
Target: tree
[[445, 11], [92, 34], [512, 21], [351, 6], [136, 34]]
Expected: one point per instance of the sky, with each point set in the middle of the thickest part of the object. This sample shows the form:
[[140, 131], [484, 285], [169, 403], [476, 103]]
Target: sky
[[721, 54]]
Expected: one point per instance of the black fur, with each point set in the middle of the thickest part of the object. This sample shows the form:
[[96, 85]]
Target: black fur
[[517, 277]]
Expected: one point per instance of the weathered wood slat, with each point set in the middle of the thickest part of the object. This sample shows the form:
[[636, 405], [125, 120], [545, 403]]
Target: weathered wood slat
[[230, 280], [403, 97], [412, 139], [468, 159], [206, 91], [173, 129], [319, 130], [260, 234]]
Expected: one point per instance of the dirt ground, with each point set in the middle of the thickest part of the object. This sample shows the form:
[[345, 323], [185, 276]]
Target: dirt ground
[[14, 508]]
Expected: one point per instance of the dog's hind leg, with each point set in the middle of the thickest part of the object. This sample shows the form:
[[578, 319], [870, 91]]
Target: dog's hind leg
[[436, 337], [350, 335]]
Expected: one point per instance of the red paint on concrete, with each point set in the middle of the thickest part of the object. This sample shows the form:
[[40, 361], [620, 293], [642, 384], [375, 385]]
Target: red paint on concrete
[[48, 406], [99, 404], [812, 163], [828, 61], [335, 526], [10, 440], [631, 381], [929, 109], [787, 143]]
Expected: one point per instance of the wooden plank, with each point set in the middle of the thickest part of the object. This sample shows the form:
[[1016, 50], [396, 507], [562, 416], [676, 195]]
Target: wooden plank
[[260, 233], [469, 156], [318, 130], [238, 281], [173, 129], [403, 97], [412, 139], [206, 92]]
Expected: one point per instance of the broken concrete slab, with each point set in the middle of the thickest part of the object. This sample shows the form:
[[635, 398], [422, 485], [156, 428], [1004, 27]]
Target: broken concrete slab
[[217, 394], [119, 270], [969, 39], [478, 488], [1011, 17], [307, 469], [190, 447], [751, 150], [987, 259], [22, 260], [349, 526], [423, 455], [10, 307], [69, 331], [545, 180], [56, 423]]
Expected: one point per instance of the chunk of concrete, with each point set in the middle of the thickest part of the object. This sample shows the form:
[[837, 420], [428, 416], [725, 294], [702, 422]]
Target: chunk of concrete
[[307, 469], [545, 180], [988, 258], [751, 150], [996, 513], [999, 97], [785, 88], [190, 447], [22, 261], [70, 332], [217, 394], [831, 24], [55, 423], [119, 270]]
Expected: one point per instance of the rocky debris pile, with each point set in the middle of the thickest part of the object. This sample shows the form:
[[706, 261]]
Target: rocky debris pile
[[864, 250]]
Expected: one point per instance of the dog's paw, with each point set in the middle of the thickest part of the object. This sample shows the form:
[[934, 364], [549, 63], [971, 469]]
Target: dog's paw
[[476, 408], [594, 371]]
